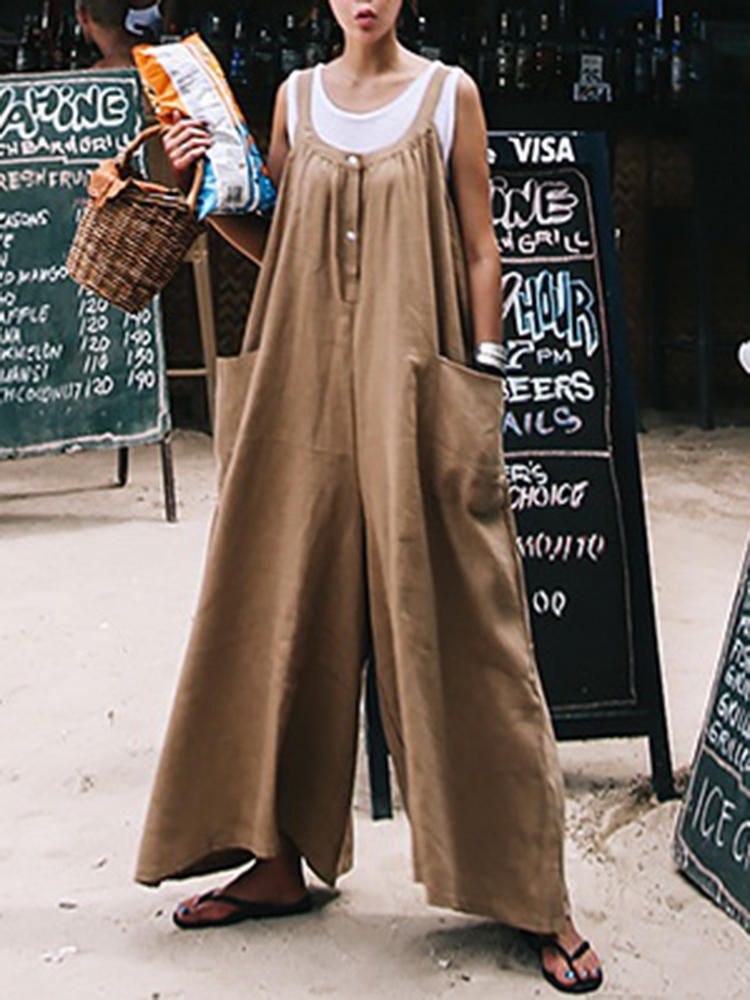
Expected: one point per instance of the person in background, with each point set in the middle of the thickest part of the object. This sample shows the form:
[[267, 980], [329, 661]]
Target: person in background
[[144, 19], [103, 24]]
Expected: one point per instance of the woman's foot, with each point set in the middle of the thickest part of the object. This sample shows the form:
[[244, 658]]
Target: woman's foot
[[578, 975], [277, 881]]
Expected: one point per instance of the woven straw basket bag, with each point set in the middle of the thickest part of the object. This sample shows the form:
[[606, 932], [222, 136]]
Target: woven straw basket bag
[[134, 233]]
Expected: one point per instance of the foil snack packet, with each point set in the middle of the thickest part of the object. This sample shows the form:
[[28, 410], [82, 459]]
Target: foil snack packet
[[187, 77]]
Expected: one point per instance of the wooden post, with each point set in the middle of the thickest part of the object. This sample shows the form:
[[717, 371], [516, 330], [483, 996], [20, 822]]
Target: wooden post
[[198, 257]]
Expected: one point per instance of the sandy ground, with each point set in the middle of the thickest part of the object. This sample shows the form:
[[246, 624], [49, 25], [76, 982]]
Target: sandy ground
[[96, 592]]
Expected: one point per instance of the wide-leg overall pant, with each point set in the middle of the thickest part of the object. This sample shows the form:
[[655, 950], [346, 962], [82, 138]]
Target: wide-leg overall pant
[[362, 486]]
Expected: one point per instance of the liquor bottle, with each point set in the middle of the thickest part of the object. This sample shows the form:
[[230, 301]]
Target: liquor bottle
[[567, 54], [239, 72], [263, 65], [622, 67], [174, 20], [215, 36], [698, 58], [407, 26], [659, 62], [678, 64], [291, 49], [524, 76], [466, 51], [642, 84], [63, 43], [428, 45], [505, 56], [486, 62], [49, 21], [27, 54], [78, 53], [545, 59], [314, 46], [332, 36], [593, 81]]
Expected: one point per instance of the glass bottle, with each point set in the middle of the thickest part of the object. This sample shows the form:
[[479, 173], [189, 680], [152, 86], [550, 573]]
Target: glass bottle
[[505, 56], [239, 73], [332, 36], [27, 53], [698, 58], [659, 62], [49, 19], [466, 52], [78, 54], [63, 43], [428, 45], [486, 76], [213, 32], [263, 64], [291, 48], [567, 55], [622, 67], [545, 59], [407, 26], [642, 81], [593, 78], [524, 60], [314, 46], [678, 64]]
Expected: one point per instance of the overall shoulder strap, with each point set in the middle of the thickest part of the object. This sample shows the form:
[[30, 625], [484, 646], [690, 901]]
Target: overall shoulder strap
[[426, 111], [304, 101]]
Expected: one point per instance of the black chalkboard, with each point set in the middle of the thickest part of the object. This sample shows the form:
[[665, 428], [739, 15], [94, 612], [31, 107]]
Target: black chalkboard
[[570, 440], [75, 372], [712, 840]]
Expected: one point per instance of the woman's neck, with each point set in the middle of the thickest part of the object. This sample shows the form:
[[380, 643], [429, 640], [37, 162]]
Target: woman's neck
[[383, 56]]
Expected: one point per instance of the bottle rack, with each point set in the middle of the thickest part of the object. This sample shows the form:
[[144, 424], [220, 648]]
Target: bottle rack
[[548, 50]]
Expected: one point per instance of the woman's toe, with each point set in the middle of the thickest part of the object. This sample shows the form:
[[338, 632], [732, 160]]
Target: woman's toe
[[590, 970], [557, 966], [187, 908]]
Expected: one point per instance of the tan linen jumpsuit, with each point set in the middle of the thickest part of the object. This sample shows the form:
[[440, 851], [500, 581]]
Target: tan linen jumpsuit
[[363, 493]]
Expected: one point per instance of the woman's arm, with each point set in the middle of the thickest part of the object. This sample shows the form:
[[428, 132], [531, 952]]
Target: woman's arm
[[471, 186], [187, 140], [248, 233]]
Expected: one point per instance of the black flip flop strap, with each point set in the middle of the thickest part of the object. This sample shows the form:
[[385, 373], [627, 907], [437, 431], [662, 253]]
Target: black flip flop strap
[[568, 956], [250, 906], [211, 894], [222, 897], [215, 896], [582, 948]]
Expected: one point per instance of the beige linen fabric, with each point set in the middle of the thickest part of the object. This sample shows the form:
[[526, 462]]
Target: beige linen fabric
[[363, 492]]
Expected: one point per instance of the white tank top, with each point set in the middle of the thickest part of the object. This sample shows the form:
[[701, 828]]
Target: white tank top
[[368, 131]]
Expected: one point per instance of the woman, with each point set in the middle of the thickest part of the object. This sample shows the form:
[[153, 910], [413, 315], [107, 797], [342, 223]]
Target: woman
[[363, 498]]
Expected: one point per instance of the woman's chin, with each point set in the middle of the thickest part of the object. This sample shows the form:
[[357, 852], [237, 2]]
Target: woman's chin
[[371, 29]]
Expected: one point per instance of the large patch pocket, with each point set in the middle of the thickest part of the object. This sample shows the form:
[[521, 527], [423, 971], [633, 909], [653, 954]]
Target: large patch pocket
[[233, 377], [460, 414]]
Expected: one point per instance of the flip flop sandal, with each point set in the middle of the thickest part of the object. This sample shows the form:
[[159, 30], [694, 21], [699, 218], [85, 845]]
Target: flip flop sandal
[[243, 910], [578, 985]]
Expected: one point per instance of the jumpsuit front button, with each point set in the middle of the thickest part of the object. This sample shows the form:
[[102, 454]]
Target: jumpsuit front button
[[352, 160], [351, 235]]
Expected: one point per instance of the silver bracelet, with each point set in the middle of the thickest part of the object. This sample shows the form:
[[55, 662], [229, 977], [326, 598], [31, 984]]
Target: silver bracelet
[[490, 354]]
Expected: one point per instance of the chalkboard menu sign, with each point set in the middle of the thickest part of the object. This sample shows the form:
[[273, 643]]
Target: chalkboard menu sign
[[570, 439], [712, 840], [74, 371]]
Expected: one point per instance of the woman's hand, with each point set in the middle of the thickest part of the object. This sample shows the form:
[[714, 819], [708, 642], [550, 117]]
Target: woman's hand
[[185, 142]]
